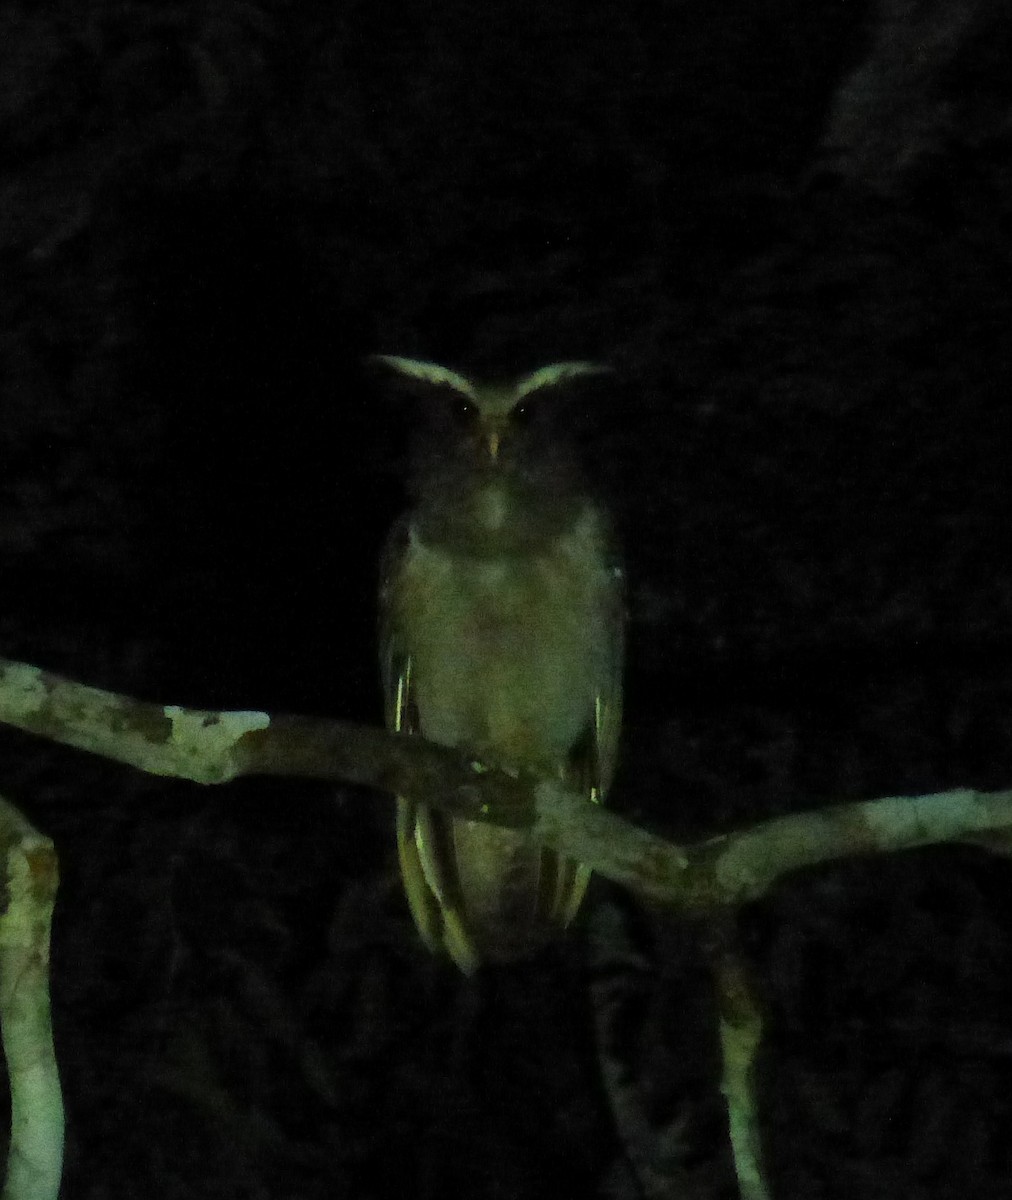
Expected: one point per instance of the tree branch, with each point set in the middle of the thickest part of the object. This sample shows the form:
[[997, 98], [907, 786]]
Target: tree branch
[[711, 877], [725, 871], [28, 881]]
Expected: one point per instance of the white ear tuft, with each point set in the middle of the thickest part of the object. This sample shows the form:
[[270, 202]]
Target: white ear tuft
[[427, 373], [555, 374]]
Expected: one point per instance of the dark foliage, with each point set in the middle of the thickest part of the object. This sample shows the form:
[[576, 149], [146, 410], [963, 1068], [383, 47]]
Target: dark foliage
[[208, 214]]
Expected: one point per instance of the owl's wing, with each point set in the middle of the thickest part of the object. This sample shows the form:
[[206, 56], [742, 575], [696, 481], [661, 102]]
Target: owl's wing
[[422, 833], [395, 667], [593, 758], [608, 706]]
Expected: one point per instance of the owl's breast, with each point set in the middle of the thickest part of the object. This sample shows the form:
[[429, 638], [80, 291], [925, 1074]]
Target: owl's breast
[[507, 651]]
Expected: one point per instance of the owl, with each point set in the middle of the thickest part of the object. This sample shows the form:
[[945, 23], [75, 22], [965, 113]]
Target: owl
[[501, 633]]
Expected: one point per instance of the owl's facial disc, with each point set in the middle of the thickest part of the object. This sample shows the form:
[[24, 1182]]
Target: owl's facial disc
[[499, 429], [483, 430]]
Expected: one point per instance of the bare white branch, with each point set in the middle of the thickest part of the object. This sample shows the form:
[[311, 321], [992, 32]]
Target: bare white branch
[[35, 1156]]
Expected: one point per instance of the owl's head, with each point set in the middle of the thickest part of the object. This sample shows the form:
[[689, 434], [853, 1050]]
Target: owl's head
[[492, 459], [493, 462], [496, 426]]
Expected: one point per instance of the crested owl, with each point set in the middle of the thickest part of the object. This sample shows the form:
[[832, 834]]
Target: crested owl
[[501, 633]]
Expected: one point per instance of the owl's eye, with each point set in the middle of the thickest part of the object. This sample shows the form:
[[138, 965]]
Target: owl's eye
[[462, 412], [522, 414]]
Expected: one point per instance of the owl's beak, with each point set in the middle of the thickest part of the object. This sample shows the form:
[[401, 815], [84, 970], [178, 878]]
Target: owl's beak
[[492, 441]]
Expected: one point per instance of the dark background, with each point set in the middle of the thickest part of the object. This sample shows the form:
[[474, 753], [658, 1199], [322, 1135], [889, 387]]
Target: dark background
[[787, 223]]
